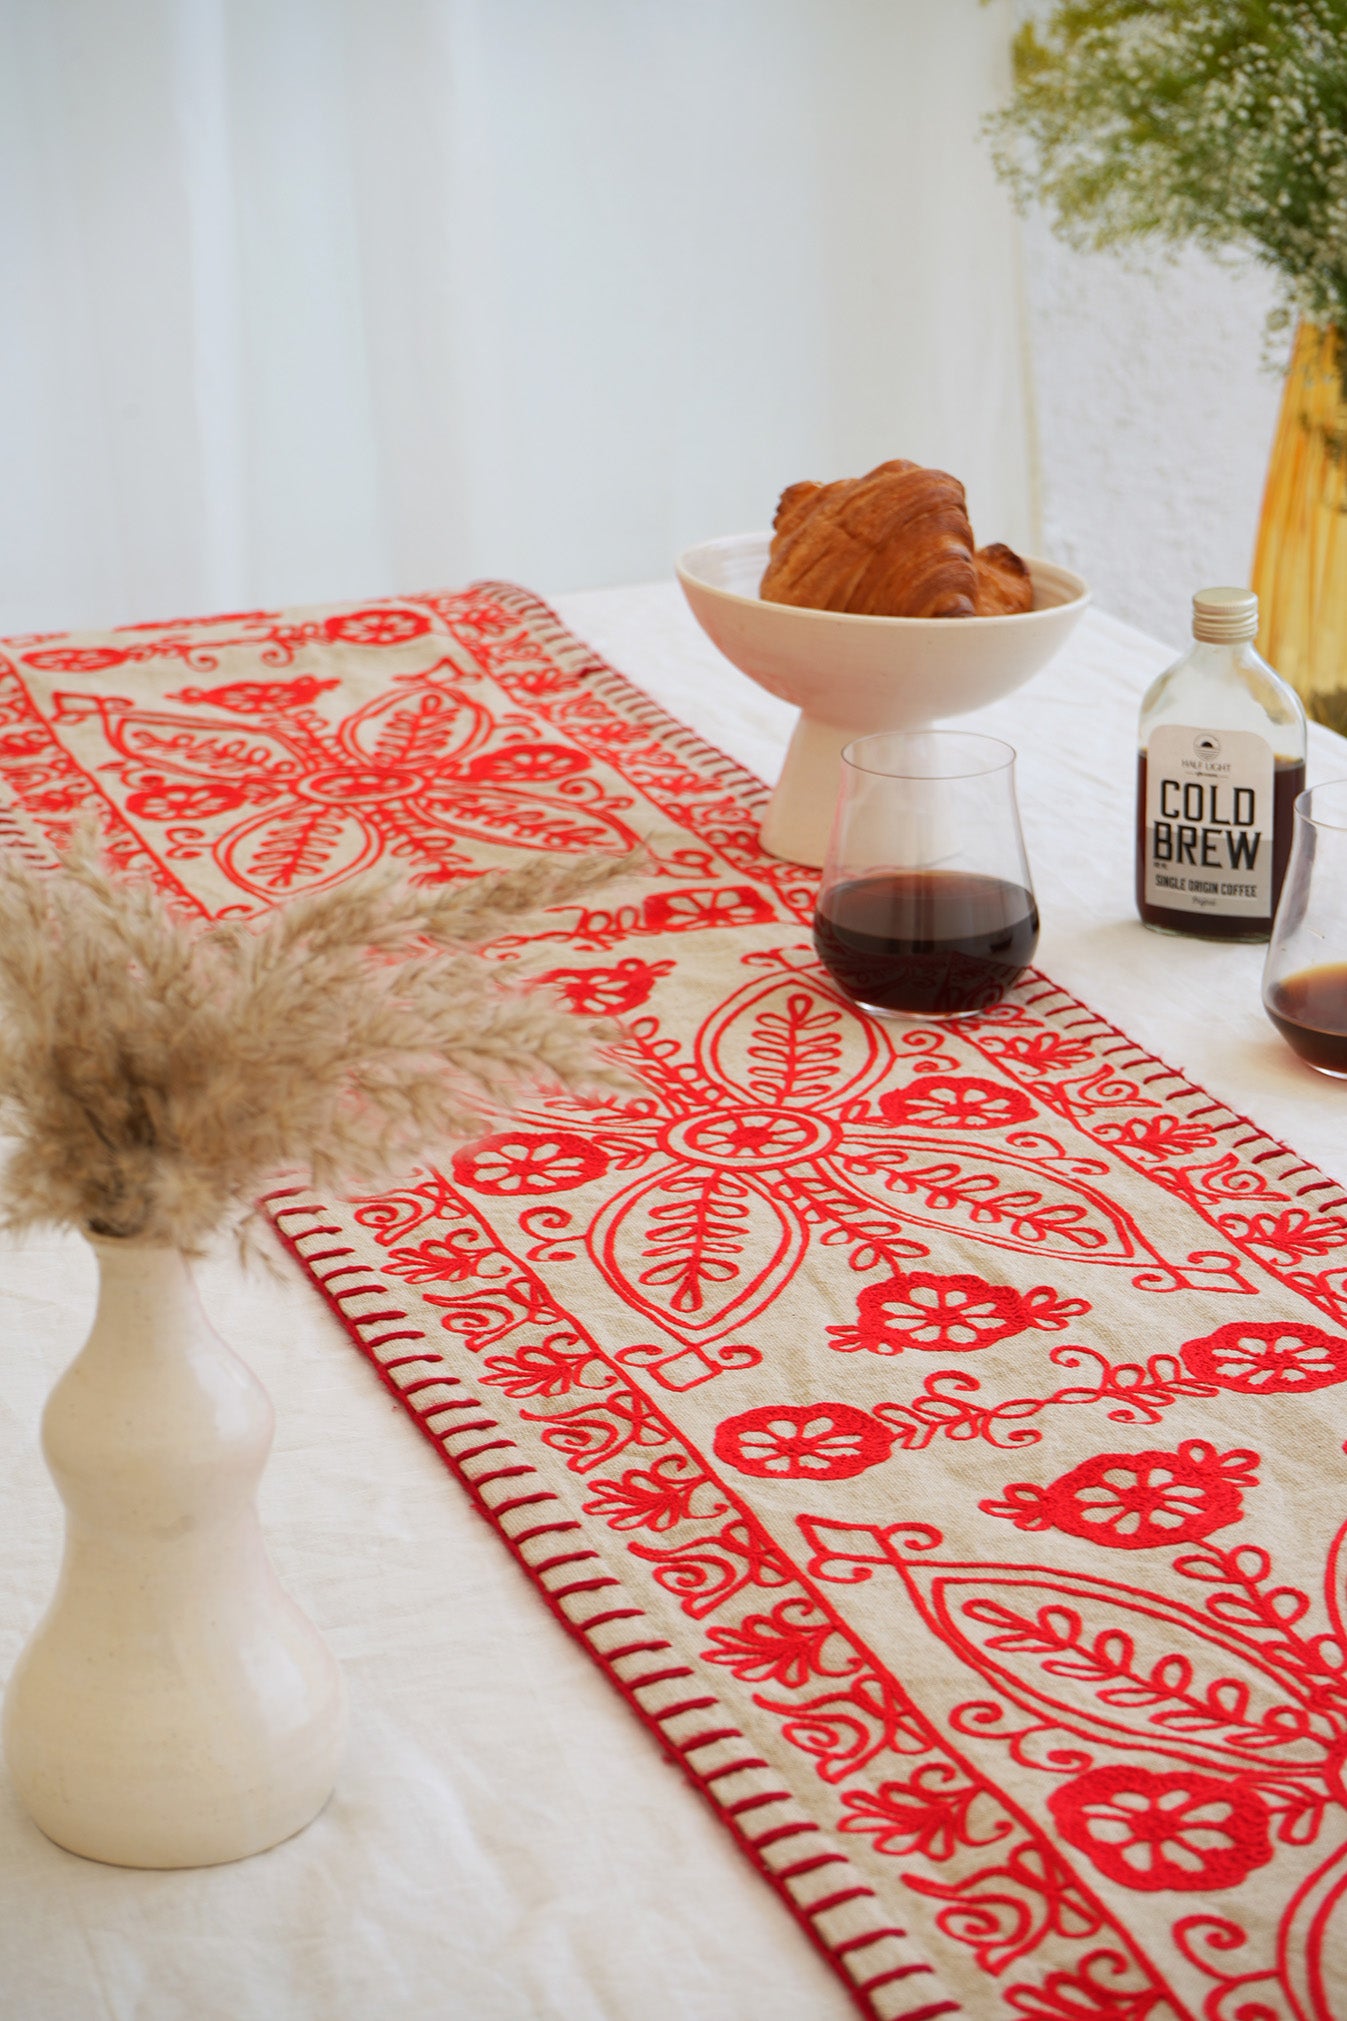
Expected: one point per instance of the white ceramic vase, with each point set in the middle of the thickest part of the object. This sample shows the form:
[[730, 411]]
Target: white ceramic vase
[[174, 1707]]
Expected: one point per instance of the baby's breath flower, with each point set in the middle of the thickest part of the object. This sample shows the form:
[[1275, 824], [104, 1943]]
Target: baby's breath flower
[[1218, 123]]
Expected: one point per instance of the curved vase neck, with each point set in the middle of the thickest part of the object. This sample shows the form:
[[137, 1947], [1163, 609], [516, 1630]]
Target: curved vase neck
[[147, 1298]]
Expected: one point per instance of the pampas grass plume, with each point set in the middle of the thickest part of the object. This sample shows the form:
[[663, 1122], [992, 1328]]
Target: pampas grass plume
[[158, 1071]]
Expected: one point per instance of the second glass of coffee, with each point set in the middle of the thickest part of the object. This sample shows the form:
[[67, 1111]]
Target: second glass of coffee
[[1305, 975], [926, 907]]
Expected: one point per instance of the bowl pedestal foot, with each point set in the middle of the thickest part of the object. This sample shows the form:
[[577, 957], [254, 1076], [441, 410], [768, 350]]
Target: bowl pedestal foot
[[799, 820]]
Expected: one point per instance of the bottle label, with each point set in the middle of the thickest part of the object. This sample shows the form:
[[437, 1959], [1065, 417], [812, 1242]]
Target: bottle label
[[1209, 822]]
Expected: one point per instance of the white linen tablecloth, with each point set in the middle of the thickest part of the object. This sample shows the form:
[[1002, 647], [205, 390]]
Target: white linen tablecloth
[[505, 1842]]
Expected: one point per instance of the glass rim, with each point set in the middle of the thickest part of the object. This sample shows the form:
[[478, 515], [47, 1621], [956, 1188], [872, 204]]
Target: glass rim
[[1307, 811], [1005, 754]]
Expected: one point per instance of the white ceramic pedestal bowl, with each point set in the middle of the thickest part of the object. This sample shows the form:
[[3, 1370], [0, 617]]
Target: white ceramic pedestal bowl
[[851, 675]]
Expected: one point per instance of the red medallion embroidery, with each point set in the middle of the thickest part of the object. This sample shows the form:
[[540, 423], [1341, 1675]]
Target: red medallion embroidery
[[820, 1441], [1267, 1357], [1175, 1830], [607, 992], [937, 1102], [379, 626], [524, 1161], [917, 1308], [1137, 1501], [678, 911]]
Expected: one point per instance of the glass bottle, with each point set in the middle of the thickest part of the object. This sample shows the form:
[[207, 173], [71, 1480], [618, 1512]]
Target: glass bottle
[[1221, 761]]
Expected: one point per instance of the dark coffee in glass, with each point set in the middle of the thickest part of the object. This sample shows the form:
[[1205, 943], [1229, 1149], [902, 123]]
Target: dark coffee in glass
[[916, 913]]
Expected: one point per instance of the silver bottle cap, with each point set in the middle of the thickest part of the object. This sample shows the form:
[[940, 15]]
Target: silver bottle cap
[[1223, 616]]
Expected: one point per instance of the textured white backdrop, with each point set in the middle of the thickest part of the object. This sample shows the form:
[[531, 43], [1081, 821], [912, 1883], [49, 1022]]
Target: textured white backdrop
[[1154, 406]]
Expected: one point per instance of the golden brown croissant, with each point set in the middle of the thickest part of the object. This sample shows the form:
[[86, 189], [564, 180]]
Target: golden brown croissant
[[1004, 583], [894, 543]]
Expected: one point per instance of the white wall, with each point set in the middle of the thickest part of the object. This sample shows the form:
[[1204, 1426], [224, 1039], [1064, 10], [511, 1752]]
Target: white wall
[[308, 299], [313, 299], [1154, 414]]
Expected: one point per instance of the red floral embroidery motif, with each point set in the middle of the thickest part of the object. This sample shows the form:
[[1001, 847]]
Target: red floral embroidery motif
[[528, 764], [759, 1137], [607, 992], [962, 1103], [1044, 1052], [1290, 1234], [917, 1308], [245, 696], [820, 1441], [433, 1262], [1264, 1358], [784, 1647], [1105, 1989], [296, 802], [522, 1161], [537, 1371], [1177, 1830], [1137, 1501], [75, 659], [379, 626], [726, 905], [1159, 1136], [654, 1498], [928, 1813], [161, 799]]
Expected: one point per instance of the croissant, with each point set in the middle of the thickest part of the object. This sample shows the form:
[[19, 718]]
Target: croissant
[[1004, 583], [894, 543]]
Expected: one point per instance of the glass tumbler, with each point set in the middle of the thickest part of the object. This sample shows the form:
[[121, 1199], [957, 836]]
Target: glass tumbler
[[926, 908], [1305, 974]]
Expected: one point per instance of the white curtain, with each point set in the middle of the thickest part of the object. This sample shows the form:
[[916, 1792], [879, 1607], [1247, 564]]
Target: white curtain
[[322, 298]]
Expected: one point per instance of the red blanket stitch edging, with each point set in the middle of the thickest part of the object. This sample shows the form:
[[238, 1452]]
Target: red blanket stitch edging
[[839, 1951]]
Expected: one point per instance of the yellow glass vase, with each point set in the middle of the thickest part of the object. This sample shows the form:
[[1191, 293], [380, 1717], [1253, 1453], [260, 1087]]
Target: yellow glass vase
[[1300, 559]]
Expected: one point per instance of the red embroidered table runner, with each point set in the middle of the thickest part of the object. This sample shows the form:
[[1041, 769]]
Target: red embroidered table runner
[[933, 1433]]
